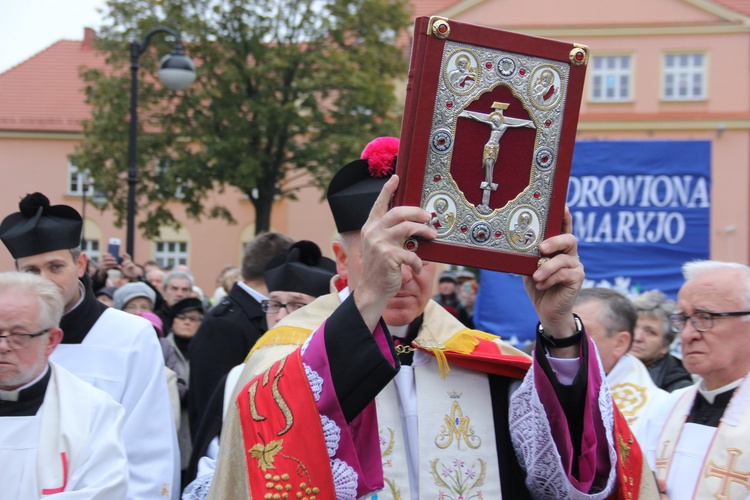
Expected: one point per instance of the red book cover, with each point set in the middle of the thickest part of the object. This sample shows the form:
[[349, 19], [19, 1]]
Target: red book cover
[[487, 141]]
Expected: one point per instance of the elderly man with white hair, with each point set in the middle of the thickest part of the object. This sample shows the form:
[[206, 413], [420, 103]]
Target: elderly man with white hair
[[58, 434], [698, 442], [110, 349]]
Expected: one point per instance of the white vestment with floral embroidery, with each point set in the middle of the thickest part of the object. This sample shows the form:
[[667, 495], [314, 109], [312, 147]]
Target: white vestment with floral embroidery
[[437, 435], [633, 389], [698, 461]]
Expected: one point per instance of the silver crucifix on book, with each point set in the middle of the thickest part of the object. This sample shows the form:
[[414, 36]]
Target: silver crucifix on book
[[499, 124]]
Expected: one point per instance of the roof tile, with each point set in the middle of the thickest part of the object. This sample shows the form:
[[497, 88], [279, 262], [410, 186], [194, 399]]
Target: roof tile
[[45, 93]]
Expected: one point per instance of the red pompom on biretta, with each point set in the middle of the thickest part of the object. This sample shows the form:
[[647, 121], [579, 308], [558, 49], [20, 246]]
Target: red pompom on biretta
[[355, 187], [381, 155]]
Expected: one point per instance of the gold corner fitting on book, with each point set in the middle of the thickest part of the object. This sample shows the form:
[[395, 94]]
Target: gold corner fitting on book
[[439, 27], [579, 56]]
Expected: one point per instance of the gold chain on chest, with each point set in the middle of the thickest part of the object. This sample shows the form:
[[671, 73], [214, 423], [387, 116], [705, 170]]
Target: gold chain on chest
[[404, 349]]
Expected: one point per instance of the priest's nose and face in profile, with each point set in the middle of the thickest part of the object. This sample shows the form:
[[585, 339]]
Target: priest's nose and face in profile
[[57, 433]]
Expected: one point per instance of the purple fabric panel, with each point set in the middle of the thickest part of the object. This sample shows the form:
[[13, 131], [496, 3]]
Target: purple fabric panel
[[366, 442], [594, 457], [381, 338], [596, 435], [359, 444], [364, 428]]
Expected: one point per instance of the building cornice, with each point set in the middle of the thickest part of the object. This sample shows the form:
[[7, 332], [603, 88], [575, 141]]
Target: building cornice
[[719, 10], [713, 124], [729, 21], [15, 134], [570, 32], [459, 8]]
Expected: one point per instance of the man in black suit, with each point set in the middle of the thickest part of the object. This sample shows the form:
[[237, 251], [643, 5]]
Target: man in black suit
[[230, 329]]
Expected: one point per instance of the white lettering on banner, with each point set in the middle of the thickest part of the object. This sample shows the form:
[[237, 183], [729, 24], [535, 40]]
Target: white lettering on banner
[[629, 227], [634, 193], [643, 191]]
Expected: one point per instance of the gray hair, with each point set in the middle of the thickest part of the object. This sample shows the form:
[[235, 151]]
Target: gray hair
[[348, 237], [654, 304], [696, 268], [178, 275], [75, 253], [47, 294], [617, 314]]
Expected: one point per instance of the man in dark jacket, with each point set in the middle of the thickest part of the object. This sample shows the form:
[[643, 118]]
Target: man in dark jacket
[[230, 329]]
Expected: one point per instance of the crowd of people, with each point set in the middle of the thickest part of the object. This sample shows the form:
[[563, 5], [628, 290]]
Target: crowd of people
[[307, 377]]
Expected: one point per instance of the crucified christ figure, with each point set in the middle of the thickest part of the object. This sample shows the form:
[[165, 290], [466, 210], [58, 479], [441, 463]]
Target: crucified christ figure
[[499, 124]]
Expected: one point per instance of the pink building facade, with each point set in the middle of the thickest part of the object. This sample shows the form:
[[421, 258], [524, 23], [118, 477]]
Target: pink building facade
[[630, 96], [704, 44]]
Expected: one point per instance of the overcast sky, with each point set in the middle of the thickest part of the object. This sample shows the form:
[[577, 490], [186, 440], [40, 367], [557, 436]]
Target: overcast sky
[[30, 26]]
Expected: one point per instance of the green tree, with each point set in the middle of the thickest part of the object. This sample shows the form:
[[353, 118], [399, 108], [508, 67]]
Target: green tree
[[287, 92]]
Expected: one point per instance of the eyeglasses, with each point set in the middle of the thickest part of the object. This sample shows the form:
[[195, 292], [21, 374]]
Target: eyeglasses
[[18, 341], [192, 319], [701, 321], [273, 306]]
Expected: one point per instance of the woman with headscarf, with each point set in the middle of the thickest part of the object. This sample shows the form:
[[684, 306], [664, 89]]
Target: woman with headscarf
[[185, 318]]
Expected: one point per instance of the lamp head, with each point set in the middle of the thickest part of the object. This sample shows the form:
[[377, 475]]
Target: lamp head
[[176, 70]]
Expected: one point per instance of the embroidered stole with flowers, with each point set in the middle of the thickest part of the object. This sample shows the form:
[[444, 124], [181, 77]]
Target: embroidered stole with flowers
[[725, 472], [633, 389], [457, 456]]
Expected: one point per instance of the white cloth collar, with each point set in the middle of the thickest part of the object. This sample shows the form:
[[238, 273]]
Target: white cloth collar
[[13, 395], [259, 297], [711, 395], [398, 331], [80, 299]]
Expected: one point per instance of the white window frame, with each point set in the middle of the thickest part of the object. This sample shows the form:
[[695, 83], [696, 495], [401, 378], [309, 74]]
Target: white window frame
[[162, 168], [171, 253], [92, 248], [611, 77], [75, 181], [680, 71]]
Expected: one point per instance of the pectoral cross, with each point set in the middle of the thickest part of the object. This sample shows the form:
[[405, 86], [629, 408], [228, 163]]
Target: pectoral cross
[[499, 124]]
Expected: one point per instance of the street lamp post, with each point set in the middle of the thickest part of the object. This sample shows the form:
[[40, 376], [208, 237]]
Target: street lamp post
[[85, 186], [176, 71]]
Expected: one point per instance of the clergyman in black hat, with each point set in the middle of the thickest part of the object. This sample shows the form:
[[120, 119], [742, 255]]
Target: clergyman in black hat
[[294, 279], [113, 350], [384, 370]]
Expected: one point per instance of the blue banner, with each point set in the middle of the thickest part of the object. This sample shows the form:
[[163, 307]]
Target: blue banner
[[640, 210]]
